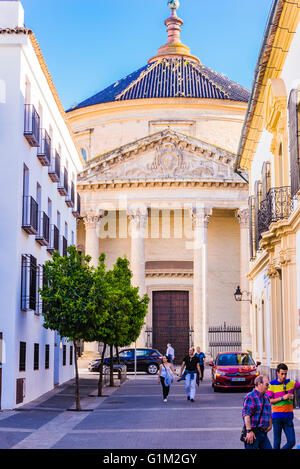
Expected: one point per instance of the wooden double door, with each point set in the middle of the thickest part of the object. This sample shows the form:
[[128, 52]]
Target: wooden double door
[[171, 322]]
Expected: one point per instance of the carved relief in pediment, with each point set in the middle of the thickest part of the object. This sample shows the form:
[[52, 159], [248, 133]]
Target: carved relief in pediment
[[167, 160]]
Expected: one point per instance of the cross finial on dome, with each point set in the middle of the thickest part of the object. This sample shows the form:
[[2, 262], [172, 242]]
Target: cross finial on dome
[[173, 4]]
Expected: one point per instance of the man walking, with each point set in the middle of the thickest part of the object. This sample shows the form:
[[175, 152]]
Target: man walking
[[170, 353], [281, 394], [257, 415], [191, 365], [201, 357]]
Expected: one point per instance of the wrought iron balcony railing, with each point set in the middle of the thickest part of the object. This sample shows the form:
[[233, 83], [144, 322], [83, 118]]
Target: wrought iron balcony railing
[[43, 236], [64, 245], [54, 239], [54, 168], [44, 149], [30, 215], [276, 206], [31, 125], [70, 199], [62, 186]]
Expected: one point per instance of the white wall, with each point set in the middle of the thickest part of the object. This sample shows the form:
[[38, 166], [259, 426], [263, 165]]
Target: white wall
[[18, 63]]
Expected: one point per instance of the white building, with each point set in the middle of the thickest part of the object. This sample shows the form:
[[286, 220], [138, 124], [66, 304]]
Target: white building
[[39, 209]]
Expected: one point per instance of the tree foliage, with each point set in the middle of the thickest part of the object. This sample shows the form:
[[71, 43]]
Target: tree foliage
[[68, 305]]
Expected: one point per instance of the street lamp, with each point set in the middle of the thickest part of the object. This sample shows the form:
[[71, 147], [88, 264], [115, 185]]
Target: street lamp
[[240, 295]]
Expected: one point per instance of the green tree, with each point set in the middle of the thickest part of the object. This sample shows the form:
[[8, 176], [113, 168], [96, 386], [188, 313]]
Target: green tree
[[68, 304], [121, 310]]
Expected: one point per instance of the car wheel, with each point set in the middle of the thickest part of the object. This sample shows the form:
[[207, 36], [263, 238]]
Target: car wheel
[[215, 388], [152, 369]]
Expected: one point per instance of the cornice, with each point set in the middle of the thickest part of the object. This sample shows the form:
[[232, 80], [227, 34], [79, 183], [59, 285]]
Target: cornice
[[169, 274], [165, 183], [159, 103]]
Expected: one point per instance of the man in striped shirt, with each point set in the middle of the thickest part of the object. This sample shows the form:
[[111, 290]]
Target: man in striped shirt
[[281, 393]]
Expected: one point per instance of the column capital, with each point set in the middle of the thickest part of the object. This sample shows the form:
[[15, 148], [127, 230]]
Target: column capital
[[91, 218], [243, 217], [138, 215], [200, 216]]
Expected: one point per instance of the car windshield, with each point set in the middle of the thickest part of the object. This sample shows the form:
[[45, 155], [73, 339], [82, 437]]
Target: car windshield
[[228, 359]]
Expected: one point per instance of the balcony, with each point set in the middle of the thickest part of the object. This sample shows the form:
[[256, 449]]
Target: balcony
[[44, 149], [54, 168], [276, 206], [62, 186], [43, 236], [64, 245], [31, 125], [70, 199], [54, 239], [30, 215], [76, 212]]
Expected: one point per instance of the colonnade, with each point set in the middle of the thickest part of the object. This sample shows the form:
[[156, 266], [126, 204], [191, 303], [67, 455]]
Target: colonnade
[[201, 214]]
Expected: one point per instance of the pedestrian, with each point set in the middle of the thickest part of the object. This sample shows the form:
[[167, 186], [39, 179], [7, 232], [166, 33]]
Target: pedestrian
[[257, 415], [281, 394], [165, 376], [191, 365], [201, 357], [170, 354]]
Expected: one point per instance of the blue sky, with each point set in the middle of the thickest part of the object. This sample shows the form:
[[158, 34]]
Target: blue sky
[[90, 44]]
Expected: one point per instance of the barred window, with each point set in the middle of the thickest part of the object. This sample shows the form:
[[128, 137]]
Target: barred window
[[22, 357], [47, 356], [64, 355], [36, 357], [71, 354]]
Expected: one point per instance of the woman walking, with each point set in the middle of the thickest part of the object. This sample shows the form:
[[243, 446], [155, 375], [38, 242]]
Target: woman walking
[[165, 377]]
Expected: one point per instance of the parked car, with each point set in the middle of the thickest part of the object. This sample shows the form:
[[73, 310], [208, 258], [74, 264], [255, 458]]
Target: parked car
[[234, 370], [147, 360]]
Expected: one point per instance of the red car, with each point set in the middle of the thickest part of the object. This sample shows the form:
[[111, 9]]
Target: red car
[[234, 370]]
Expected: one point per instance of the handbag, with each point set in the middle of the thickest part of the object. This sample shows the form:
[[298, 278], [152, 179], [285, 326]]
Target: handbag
[[244, 431]]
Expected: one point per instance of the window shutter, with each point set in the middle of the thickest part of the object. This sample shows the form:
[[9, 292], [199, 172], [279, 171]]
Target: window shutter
[[294, 142], [33, 283]]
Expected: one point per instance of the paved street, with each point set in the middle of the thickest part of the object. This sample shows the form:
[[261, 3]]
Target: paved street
[[132, 416]]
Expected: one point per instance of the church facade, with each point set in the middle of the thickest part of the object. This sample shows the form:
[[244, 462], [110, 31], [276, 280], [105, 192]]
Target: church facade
[[159, 187]]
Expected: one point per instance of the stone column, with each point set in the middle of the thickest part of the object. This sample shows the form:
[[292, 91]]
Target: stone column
[[138, 216], [91, 221], [200, 217], [243, 217]]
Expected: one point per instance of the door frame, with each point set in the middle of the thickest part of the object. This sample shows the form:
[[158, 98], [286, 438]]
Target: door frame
[[175, 288]]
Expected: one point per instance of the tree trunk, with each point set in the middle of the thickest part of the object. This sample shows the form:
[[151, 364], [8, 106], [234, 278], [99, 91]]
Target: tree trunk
[[111, 366], [77, 397], [100, 382], [118, 357]]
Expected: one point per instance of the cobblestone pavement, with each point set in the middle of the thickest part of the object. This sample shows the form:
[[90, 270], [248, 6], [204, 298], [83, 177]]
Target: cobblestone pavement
[[132, 416]]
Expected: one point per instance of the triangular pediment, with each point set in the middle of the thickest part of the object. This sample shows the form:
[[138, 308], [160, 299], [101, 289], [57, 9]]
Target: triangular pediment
[[162, 156]]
